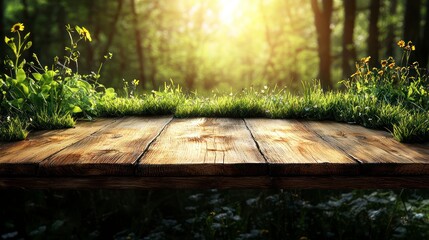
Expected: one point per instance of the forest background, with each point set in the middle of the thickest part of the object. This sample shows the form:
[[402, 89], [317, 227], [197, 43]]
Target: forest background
[[224, 44]]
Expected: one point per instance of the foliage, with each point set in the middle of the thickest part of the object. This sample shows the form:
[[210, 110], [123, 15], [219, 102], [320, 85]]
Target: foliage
[[215, 214], [405, 86], [402, 84], [48, 96], [12, 128]]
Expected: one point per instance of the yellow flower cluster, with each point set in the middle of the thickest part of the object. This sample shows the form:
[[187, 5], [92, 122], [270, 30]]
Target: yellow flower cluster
[[408, 47]]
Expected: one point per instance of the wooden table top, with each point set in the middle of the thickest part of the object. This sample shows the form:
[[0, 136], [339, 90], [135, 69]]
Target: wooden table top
[[165, 152]]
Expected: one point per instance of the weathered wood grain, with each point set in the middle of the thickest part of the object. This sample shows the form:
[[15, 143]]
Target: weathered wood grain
[[203, 146], [111, 151], [378, 153], [23, 157], [291, 149], [221, 182], [139, 152]]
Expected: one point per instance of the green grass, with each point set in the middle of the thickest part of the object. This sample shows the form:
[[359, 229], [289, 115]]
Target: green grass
[[405, 123], [12, 129]]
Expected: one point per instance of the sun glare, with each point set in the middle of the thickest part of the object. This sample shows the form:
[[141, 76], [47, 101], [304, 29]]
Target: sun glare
[[229, 10]]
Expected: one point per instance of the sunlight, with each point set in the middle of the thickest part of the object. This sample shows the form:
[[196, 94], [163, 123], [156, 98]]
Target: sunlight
[[229, 10]]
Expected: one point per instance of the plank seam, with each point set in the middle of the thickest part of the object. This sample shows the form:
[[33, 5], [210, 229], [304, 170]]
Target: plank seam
[[62, 149], [256, 142], [358, 161], [139, 158]]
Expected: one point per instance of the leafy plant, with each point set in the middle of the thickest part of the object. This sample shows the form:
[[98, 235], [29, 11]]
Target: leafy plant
[[52, 97], [403, 84]]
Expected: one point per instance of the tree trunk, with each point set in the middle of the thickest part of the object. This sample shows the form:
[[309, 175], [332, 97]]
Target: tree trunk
[[349, 51], [91, 22], [61, 26], [425, 40], [138, 39], [412, 20], [113, 28], [322, 20], [374, 32], [2, 35], [390, 39]]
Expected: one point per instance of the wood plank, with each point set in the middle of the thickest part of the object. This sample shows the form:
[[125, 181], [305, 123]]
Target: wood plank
[[378, 152], [221, 182], [112, 151], [203, 146], [291, 149], [23, 157]]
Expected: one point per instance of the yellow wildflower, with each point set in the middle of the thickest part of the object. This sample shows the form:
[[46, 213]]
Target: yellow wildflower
[[383, 63], [410, 46], [380, 72], [17, 27], [83, 32], [366, 59], [391, 65], [401, 43]]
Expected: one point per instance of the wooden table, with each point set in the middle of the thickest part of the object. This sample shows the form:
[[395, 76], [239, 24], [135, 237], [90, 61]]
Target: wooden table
[[166, 152]]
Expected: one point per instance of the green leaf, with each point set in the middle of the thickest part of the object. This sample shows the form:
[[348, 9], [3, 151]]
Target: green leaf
[[410, 92], [78, 29], [17, 102], [21, 65], [37, 76], [76, 109], [12, 45], [50, 73], [24, 88], [28, 45], [27, 36], [20, 75]]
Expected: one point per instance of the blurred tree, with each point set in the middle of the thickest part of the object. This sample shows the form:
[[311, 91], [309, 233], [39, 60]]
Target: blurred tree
[[113, 23], [390, 38], [221, 44], [374, 33], [322, 20], [2, 35], [349, 50], [412, 18], [425, 40], [138, 43]]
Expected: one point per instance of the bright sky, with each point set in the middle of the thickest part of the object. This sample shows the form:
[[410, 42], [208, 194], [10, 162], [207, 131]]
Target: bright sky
[[229, 10]]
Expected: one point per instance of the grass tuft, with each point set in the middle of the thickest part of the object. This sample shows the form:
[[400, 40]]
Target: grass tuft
[[13, 129]]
